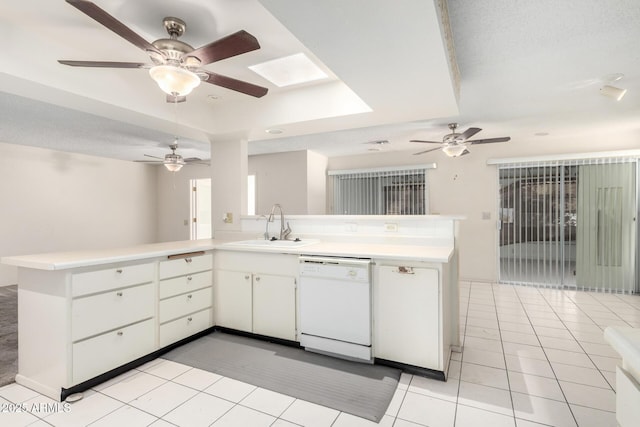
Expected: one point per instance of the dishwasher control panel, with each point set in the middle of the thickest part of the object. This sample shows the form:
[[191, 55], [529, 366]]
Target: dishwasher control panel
[[335, 268]]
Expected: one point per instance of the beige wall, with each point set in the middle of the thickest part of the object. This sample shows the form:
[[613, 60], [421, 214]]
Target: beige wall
[[468, 186], [56, 201], [174, 200], [295, 180]]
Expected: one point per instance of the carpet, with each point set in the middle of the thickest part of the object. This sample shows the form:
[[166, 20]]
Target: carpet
[[8, 334], [357, 388]]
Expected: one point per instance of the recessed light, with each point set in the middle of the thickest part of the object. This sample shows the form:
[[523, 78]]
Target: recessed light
[[613, 92], [289, 70], [274, 131]]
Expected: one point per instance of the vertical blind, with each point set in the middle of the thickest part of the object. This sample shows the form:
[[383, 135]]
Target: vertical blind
[[569, 224], [384, 191]]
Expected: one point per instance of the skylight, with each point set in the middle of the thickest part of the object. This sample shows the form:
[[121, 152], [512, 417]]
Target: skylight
[[289, 70]]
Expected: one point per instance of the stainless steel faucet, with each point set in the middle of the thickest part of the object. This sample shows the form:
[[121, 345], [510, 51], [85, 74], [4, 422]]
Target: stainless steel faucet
[[283, 232]]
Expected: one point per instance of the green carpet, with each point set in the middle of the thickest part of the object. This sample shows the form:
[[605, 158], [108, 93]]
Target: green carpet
[[357, 388]]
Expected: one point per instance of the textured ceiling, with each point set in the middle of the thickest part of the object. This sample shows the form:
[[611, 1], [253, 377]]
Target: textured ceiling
[[525, 68]]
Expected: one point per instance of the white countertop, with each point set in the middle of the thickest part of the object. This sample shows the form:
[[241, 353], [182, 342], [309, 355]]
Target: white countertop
[[76, 259], [626, 341]]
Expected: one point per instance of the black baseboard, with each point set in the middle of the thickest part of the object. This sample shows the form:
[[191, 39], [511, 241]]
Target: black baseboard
[[281, 341], [412, 369], [79, 388]]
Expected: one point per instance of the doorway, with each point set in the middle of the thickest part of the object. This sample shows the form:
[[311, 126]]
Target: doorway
[[200, 208]]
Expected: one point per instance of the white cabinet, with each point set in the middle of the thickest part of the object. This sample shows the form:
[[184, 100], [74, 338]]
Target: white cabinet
[[262, 299], [407, 315], [112, 313], [186, 297], [79, 323]]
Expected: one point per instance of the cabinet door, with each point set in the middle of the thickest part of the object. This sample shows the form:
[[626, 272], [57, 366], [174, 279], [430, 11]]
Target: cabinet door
[[274, 306], [232, 299], [407, 321]]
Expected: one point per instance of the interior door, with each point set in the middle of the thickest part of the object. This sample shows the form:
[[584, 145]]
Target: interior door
[[606, 228]]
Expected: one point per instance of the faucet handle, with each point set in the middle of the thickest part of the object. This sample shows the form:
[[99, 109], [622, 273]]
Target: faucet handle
[[287, 231]]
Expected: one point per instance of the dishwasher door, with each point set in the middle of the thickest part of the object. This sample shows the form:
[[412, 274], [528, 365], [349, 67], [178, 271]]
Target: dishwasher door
[[335, 305]]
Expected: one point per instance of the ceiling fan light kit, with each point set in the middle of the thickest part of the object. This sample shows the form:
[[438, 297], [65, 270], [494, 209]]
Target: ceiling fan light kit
[[613, 92], [174, 80], [454, 150]]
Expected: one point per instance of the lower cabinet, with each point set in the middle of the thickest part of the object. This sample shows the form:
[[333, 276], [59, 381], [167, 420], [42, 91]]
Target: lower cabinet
[[407, 325], [260, 301]]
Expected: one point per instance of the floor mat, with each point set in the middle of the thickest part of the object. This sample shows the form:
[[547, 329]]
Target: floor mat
[[357, 388], [8, 334]]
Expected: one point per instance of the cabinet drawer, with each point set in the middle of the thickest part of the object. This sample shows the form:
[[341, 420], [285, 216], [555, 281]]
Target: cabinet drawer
[[100, 354], [181, 284], [181, 305], [91, 282], [96, 314], [182, 266], [184, 327]]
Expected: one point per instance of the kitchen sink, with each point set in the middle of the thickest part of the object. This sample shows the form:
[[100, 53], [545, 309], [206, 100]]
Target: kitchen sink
[[274, 243]]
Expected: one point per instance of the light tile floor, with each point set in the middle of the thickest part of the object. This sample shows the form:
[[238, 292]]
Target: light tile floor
[[531, 357]]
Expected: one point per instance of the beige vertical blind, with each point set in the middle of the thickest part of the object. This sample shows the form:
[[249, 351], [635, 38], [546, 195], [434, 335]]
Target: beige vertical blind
[[383, 191], [569, 223]]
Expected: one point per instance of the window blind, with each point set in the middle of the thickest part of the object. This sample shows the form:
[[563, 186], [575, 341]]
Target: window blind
[[384, 191], [569, 223]]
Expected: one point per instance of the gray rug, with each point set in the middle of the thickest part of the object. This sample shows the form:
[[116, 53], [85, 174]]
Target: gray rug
[[356, 388], [8, 334]]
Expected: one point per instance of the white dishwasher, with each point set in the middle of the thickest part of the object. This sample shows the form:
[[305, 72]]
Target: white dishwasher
[[335, 306]]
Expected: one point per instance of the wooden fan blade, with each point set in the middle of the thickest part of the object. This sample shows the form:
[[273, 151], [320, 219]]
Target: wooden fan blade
[[425, 142], [173, 99], [103, 64], [101, 16], [427, 151], [226, 47], [469, 133], [490, 140], [237, 85]]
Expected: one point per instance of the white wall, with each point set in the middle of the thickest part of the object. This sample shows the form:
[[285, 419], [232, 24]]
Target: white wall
[[174, 201], [56, 201], [468, 186]]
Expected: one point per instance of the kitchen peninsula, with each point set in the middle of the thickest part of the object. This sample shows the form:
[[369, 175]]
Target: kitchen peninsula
[[89, 315]]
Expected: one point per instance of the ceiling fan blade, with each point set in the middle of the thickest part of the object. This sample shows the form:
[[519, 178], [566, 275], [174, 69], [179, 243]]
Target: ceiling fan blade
[[490, 140], [93, 11], [465, 152], [176, 99], [425, 142], [155, 157], [237, 85], [427, 151], [226, 47], [148, 161], [196, 161], [103, 64], [469, 133]]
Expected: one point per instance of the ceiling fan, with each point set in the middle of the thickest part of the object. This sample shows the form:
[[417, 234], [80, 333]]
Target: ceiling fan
[[456, 144], [176, 66], [174, 162]]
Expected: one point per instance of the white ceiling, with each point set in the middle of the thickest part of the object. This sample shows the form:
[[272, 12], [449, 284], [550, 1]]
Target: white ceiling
[[524, 68]]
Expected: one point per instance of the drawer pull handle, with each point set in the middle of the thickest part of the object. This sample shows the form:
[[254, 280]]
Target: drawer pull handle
[[119, 271], [120, 333], [119, 294], [189, 319], [258, 279], [246, 277], [405, 270], [189, 296], [188, 260], [189, 278]]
